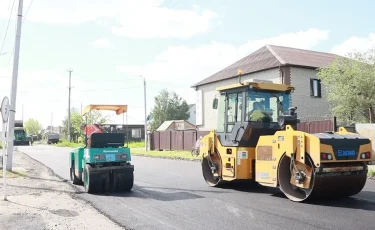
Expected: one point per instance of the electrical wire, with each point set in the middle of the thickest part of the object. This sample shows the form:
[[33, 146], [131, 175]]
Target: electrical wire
[[89, 90], [174, 4], [27, 11], [165, 3], [6, 30], [23, 21]]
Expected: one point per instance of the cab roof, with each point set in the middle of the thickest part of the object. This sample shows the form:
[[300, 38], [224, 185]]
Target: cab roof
[[119, 109], [258, 84]]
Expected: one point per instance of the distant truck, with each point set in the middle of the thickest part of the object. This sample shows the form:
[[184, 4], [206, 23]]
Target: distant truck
[[20, 135], [52, 138]]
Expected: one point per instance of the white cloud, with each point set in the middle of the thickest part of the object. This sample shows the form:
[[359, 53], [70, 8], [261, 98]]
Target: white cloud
[[102, 43], [135, 19], [45, 91], [163, 22], [192, 64], [61, 12], [41, 92], [177, 68], [353, 43]]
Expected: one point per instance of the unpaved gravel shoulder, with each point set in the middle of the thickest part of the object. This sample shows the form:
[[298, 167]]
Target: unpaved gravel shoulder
[[39, 200]]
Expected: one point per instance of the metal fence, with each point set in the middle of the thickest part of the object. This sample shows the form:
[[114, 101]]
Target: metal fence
[[185, 140], [175, 140]]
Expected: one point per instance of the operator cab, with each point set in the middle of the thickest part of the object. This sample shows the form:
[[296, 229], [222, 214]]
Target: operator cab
[[108, 138], [249, 110]]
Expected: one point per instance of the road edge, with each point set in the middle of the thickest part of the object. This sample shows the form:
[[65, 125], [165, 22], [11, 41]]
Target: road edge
[[152, 156], [77, 191], [167, 158]]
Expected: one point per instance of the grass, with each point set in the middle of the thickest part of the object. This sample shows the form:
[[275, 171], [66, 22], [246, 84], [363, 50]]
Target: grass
[[135, 150], [136, 144], [371, 173], [164, 154], [12, 174], [65, 143]]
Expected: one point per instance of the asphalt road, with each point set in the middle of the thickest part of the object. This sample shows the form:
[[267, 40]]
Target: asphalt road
[[171, 194]]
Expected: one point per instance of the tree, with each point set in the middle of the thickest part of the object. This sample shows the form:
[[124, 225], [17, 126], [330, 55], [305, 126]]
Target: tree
[[350, 86], [33, 127], [96, 117], [76, 120], [168, 106], [75, 123]]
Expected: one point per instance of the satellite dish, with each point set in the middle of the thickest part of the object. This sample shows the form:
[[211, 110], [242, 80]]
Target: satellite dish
[[5, 109]]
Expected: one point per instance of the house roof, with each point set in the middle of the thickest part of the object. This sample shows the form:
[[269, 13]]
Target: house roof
[[167, 124], [271, 56], [191, 106]]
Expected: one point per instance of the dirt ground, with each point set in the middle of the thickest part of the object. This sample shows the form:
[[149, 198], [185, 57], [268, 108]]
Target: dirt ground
[[39, 200]]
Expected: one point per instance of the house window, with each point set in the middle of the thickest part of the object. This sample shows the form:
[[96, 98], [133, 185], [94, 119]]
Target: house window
[[136, 133], [315, 88]]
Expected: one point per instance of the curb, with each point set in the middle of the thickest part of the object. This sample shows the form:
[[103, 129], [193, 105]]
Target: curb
[[167, 158], [152, 156]]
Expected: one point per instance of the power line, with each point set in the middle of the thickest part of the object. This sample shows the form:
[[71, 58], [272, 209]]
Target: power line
[[27, 11], [6, 30], [165, 3], [23, 21], [95, 89], [178, 1]]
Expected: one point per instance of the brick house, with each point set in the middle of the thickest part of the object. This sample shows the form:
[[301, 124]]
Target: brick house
[[272, 63]]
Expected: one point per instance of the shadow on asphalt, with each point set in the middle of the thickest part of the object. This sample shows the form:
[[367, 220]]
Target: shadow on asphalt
[[251, 187], [144, 193], [349, 202], [365, 200]]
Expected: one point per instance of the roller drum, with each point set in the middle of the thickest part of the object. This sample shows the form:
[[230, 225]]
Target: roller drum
[[208, 175], [323, 184], [338, 185]]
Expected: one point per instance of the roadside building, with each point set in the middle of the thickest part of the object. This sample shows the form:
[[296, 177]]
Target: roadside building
[[272, 63]]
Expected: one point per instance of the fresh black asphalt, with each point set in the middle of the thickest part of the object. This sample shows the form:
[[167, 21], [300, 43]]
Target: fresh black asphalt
[[171, 194]]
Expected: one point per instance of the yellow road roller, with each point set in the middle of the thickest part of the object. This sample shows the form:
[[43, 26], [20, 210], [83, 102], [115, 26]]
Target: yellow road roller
[[256, 140]]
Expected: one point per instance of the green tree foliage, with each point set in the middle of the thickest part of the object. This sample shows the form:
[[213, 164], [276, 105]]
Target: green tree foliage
[[76, 120], [168, 106], [96, 117], [350, 86], [33, 127]]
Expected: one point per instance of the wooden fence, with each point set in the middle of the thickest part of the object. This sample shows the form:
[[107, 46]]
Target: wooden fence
[[185, 140]]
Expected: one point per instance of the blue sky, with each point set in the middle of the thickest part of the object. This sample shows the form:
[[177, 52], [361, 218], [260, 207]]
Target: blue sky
[[173, 43]]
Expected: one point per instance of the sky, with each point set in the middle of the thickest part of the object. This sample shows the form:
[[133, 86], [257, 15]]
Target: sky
[[173, 44]]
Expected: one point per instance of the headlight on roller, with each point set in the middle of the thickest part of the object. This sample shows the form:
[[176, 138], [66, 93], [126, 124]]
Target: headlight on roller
[[123, 156], [98, 157]]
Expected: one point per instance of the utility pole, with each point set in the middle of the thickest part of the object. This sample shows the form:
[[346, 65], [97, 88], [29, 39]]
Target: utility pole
[[70, 87], [144, 92], [13, 90]]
